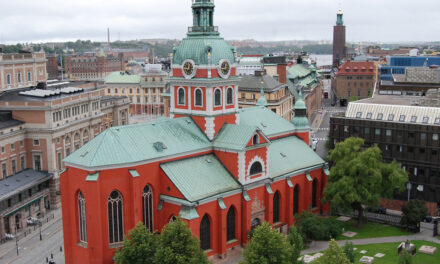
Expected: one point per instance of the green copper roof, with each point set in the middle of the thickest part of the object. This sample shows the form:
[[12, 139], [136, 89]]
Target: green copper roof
[[188, 213], [197, 48], [267, 121], [300, 122], [122, 78], [296, 155], [297, 71], [234, 137], [262, 100], [200, 177], [135, 143], [92, 177]]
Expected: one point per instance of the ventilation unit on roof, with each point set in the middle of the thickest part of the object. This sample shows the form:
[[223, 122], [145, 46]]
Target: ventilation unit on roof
[[283, 154], [188, 121], [84, 154], [159, 146], [208, 160], [263, 124]]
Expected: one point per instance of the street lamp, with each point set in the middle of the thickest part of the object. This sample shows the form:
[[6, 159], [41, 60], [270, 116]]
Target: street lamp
[[39, 224], [408, 187]]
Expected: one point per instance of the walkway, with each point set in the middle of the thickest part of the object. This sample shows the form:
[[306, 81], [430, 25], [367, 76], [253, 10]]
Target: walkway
[[318, 246]]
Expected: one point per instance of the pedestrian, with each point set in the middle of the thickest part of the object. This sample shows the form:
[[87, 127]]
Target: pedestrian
[[52, 261]]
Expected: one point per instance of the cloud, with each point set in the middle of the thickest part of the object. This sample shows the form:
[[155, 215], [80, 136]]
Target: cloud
[[373, 20]]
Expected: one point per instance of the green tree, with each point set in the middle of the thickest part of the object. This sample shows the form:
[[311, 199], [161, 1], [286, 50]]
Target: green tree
[[359, 178], [348, 249], [178, 246], [333, 255], [267, 247], [296, 241], [354, 98], [413, 213], [405, 258], [139, 247]]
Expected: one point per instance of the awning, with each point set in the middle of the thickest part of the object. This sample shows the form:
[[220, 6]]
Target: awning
[[24, 205], [309, 178]]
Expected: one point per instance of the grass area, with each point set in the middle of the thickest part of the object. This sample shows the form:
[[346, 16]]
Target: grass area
[[371, 230], [390, 251]]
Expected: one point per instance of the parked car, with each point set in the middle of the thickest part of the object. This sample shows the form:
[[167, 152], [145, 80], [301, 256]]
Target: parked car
[[32, 221]]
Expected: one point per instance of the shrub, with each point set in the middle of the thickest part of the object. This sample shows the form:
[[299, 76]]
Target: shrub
[[332, 228], [348, 249], [313, 228]]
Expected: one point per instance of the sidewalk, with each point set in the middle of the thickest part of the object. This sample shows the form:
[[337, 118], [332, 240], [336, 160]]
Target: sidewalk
[[10, 245]]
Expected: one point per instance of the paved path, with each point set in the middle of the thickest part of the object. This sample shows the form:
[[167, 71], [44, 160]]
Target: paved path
[[425, 234]]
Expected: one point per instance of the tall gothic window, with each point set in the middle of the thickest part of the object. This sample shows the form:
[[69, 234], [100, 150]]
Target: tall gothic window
[[296, 199], [199, 100], [276, 207], [314, 193], [181, 93], [19, 77], [230, 224], [205, 233], [115, 219], [256, 168], [217, 97], [82, 218], [147, 206], [229, 96]]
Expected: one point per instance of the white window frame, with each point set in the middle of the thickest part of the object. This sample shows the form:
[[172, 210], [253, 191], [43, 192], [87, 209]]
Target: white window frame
[[178, 96], [195, 97], [221, 99]]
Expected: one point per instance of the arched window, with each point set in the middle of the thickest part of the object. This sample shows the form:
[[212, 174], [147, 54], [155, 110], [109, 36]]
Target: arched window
[[276, 207], [256, 222], [256, 168], [116, 90], [115, 219], [82, 218], [230, 224], [19, 77], [314, 193], [8, 79], [172, 219], [205, 233], [218, 97], [181, 93], [199, 98], [147, 206], [255, 140], [29, 77], [296, 199], [230, 96]]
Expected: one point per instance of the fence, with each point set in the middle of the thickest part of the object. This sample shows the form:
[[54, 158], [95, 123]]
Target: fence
[[379, 218]]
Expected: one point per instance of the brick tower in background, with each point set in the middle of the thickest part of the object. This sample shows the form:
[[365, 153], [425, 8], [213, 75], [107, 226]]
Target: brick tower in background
[[339, 49]]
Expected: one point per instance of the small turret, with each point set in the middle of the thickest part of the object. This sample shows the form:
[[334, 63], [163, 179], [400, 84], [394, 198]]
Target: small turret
[[300, 119], [339, 20], [262, 100]]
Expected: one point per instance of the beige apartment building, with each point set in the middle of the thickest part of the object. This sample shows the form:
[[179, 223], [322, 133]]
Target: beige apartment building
[[278, 96], [145, 90], [20, 70], [38, 129]]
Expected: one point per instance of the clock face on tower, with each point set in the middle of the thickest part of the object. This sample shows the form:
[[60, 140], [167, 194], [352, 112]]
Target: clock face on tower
[[224, 69], [188, 69]]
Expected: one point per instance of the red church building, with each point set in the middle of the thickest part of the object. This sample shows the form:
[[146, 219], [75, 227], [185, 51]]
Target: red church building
[[222, 169]]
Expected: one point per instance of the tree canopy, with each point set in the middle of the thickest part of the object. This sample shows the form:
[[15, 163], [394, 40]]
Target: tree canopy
[[413, 213], [333, 255], [267, 247], [296, 241], [178, 246], [358, 177], [138, 247]]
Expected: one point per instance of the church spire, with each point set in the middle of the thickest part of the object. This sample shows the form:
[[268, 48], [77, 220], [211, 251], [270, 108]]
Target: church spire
[[262, 100], [203, 18]]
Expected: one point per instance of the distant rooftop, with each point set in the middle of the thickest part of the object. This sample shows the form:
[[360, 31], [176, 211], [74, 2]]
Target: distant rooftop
[[21, 181]]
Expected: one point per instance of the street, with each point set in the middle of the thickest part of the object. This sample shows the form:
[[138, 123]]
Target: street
[[32, 250]]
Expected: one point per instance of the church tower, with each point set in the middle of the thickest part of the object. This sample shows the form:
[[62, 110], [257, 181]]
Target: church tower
[[339, 49], [204, 84]]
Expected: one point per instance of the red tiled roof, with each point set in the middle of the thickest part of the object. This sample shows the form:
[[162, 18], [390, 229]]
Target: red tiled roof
[[357, 68]]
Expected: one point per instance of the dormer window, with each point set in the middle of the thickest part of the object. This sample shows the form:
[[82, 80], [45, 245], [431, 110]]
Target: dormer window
[[379, 116], [390, 117], [425, 120], [256, 140], [369, 115], [256, 168], [358, 114], [413, 119], [402, 118]]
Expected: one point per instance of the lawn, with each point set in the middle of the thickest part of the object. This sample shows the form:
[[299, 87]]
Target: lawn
[[390, 251], [371, 230]]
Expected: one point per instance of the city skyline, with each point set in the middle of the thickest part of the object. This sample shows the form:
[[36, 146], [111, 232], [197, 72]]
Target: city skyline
[[281, 20]]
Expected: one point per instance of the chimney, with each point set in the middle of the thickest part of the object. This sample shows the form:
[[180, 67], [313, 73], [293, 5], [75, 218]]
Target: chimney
[[281, 71]]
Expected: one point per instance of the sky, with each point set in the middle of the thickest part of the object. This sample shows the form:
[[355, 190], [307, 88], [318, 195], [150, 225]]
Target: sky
[[366, 20]]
